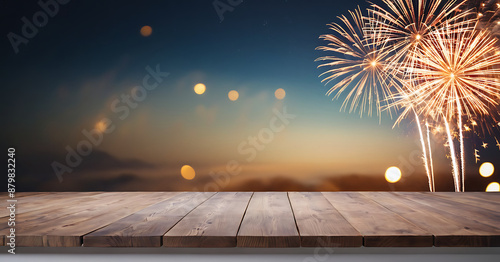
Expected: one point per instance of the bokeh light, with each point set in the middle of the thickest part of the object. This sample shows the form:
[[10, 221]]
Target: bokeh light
[[233, 95], [393, 174], [280, 93], [101, 126], [146, 30], [493, 187], [200, 88], [486, 169], [187, 172]]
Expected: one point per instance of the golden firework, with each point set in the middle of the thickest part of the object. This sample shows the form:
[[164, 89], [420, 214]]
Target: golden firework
[[406, 24], [456, 74], [357, 63]]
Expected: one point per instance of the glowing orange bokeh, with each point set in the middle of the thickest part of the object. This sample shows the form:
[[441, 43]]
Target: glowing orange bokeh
[[146, 31]]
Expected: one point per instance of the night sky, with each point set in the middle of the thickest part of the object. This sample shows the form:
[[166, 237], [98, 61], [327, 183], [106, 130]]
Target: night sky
[[71, 76]]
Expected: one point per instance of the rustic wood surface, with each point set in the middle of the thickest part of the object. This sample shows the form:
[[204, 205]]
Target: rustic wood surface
[[268, 222], [214, 223], [260, 219]]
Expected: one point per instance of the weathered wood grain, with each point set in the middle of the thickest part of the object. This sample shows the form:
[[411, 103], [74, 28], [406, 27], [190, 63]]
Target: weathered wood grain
[[69, 229], [268, 222], [454, 208], [214, 223], [320, 224], [27, 202], [265, 219], [469, 199], [448, 231], [146, 227], [379, 226]]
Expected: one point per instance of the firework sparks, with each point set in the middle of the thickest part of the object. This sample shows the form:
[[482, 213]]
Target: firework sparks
[[456, 78], [357, 62], [406, 24], [456, 75], [435, 54], [488, 14]]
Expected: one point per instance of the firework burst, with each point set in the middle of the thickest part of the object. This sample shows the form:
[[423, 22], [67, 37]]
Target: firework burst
[[357, 64], [407, 23], [433, 59], [455, 74]]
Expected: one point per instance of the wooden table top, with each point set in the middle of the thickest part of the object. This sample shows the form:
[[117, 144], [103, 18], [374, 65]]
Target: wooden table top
[[254, 219]]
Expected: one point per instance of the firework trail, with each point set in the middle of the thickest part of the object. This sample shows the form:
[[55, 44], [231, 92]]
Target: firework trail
[[424, 152], [456, 172], [404, 100], [430, 157]]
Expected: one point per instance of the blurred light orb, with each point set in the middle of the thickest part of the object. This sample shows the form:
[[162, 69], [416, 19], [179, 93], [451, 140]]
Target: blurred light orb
[[493, 187], [101, 126], [200, 88], [486, 169], [280, 93], [393, 174], [146, 30], [187, 172], [233, 95]]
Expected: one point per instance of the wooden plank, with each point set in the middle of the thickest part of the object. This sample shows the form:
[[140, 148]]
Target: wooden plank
[[450, 207], [468, 199], [268, 222], [63, 206], [448, 231], [50, 201], [214, 223], [18, 195], [320, 224], [493, 196], [379, 226], [68, 230], [146, 227], [52, 207]]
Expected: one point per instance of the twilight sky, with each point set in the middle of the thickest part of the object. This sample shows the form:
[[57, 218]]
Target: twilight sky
[[77, 71]]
